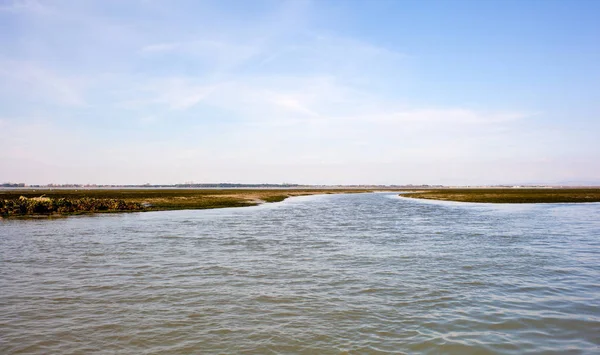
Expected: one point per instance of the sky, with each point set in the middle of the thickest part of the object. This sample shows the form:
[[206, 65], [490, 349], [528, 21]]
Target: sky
[[310, 92]]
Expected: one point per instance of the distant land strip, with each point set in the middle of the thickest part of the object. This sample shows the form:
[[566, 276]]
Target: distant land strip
[[44, 202], [509, 195], [220, 185]]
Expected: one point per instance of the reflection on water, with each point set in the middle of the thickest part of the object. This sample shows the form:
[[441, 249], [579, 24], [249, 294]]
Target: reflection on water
[[358, 274]]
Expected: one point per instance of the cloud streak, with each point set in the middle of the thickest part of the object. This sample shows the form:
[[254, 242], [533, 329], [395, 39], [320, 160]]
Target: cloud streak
[[39, 84]]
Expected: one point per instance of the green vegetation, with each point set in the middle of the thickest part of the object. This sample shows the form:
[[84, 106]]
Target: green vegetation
[[510, 195], [29, 202]]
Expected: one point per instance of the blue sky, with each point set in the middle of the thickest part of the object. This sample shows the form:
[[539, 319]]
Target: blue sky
[[319, 92]]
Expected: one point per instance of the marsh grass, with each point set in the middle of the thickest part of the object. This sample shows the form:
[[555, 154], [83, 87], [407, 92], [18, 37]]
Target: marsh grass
[[511, 195], [43, 205]]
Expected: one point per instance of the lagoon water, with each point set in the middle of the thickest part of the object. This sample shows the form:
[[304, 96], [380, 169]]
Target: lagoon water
[[330, 274]]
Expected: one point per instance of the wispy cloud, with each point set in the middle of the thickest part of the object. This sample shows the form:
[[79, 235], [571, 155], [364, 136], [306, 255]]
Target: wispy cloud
[[28, 6], [178, 95], [207, 48], [446, 116], [33, 81]]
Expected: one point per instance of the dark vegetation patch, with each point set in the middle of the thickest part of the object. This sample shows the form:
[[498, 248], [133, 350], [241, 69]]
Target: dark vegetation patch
[[275, 198], [511, 195], [48, 206]]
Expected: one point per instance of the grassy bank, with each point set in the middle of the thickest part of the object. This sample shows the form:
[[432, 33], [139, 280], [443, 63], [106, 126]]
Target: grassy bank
[[510, 195], [30, 202]]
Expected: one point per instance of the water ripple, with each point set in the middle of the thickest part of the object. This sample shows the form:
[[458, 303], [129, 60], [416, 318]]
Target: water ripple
[[337, 274]]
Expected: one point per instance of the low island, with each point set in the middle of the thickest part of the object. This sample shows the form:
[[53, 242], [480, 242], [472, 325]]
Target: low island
[[57, 202], [509, 195]]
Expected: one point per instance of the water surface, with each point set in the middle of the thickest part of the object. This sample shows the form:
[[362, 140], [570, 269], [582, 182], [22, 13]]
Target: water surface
[[334, 274]]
